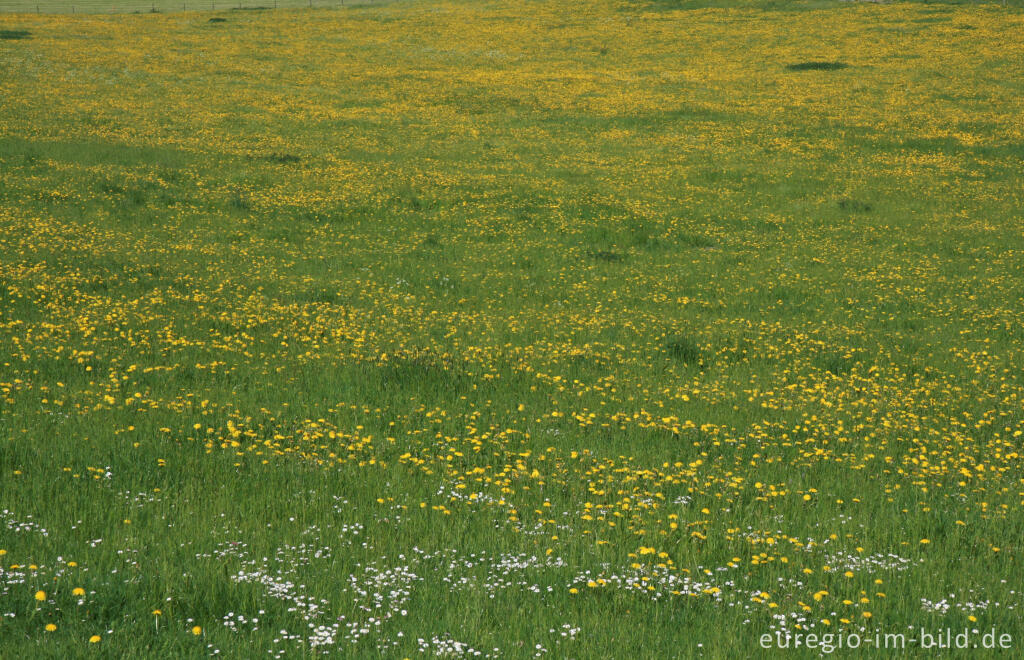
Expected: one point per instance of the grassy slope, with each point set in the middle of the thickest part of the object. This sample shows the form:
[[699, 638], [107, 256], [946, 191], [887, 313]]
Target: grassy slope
[[429, 284], [165, 6], [168, 6]]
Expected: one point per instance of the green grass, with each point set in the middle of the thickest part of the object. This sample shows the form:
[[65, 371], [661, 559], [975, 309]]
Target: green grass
[[166, 6], [576, 330], [169, 6]]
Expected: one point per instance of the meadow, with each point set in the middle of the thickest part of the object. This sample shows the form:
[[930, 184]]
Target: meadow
[[75, 7], [577, 330]]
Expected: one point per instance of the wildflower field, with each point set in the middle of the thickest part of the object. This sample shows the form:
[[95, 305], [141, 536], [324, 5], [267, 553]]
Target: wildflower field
[[567, 329]]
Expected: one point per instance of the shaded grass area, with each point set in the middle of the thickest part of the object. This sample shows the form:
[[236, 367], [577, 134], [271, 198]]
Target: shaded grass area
[[817, 66]]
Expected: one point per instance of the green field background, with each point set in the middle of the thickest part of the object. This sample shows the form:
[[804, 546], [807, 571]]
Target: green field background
[[543, 329], [164, 6]]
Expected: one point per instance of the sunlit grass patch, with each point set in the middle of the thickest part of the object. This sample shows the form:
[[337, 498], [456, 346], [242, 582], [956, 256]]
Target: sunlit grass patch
[[438, 328]]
